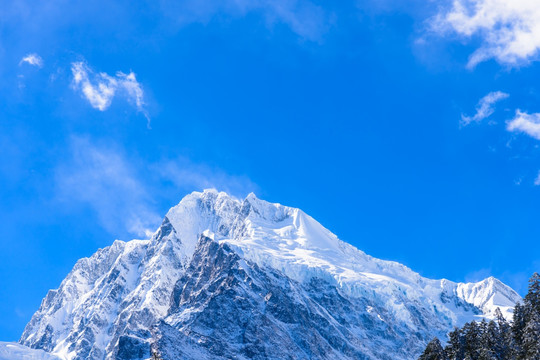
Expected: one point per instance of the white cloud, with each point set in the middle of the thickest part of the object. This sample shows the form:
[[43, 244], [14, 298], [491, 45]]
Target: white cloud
[[133, 89], [485, 107], [98, 92], [32, 59], [526, 123], [101, 177], [509, 30], [125, 191], [100, 89]]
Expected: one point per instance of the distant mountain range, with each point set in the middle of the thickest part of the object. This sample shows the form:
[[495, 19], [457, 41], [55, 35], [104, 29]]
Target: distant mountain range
[[224, 278]]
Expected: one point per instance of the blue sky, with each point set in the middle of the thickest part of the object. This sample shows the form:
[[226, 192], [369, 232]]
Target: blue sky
[[410, 130]]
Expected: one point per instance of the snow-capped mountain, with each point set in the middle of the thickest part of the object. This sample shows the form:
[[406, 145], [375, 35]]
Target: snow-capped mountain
[[246, 279]]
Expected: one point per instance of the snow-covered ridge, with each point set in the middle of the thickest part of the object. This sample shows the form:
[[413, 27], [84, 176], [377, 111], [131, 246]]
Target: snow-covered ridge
[[489, 294], [110, 301], [289, 240]]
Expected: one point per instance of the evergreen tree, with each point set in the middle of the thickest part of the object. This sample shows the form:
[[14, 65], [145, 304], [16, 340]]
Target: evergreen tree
[[472, 340], [497, 339], [500, 319], [455, 349], [533, 296], [505, 342], [518, 329], [531, 338], [433, 351], [489, 341]]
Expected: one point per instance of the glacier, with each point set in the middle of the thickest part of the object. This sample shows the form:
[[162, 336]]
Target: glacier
[[226, 278]]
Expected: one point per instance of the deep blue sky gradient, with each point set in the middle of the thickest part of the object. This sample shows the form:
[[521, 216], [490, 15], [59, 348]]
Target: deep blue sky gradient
[[354, 120]]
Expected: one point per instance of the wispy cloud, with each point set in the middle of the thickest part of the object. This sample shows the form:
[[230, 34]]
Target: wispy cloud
[[100, 88], [526, 123], [537, 179], [185, 175], [125, 191], [101, 177], [32, 59], [303, 17], [478, 275], [509, 30], [98, 92], [485, 107]]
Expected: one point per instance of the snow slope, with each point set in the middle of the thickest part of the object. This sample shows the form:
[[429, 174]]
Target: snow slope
[[119, 303], [14, 351]]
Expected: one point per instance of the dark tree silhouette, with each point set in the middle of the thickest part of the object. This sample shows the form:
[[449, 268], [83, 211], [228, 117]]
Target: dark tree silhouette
[[434, 351]]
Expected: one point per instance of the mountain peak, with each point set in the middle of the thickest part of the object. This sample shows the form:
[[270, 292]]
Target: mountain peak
[[251, 196], [285, 238], [110, 302]]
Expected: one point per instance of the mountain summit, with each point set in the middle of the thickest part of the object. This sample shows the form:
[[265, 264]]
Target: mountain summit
[[224, 278]]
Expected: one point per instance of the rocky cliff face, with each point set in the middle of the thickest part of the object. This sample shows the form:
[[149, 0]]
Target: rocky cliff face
[[246, 279]]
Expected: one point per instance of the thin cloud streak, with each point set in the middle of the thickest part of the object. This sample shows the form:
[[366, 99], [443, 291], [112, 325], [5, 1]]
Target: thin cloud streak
[[485, 107], [306, 19], [32, 59]]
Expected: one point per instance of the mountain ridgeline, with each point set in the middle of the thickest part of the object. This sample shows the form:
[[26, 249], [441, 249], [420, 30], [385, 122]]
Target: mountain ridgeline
[[497, 339], [224, 278]]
